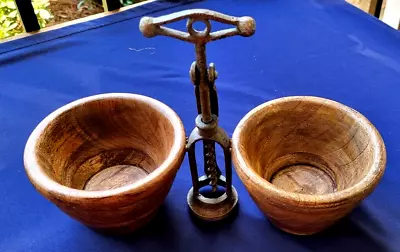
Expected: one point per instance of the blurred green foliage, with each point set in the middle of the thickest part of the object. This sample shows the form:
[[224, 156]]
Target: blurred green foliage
[[99, 2], [10, 21]]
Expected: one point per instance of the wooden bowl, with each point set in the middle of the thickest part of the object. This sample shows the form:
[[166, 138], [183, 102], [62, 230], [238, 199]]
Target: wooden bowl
[[107, 160], [307, 161]]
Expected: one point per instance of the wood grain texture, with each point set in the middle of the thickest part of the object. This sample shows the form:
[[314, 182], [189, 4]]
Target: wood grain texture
[[114, 177], [108, 160], [307, 161]]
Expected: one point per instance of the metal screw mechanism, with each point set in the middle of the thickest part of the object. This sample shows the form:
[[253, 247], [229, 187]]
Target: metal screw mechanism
[[207, 129]]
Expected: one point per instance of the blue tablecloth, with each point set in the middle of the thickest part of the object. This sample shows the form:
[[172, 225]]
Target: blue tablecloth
[[310, 47]]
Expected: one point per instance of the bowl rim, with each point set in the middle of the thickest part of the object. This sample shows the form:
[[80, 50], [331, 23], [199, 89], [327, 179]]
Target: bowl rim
[[370, 180], [40, 178]]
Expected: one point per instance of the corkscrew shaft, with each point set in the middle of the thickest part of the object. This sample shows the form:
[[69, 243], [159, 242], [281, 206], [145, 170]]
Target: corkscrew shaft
[[211, 168], [201, 64]]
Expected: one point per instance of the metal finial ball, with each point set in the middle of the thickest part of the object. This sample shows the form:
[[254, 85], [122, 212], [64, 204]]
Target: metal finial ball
[[147, 27], [246, 26]]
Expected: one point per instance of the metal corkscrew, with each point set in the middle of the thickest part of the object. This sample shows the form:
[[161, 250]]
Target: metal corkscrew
[[207, 129]]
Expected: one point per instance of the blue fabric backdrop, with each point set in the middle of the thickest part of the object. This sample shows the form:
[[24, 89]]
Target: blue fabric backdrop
[[310, 47]]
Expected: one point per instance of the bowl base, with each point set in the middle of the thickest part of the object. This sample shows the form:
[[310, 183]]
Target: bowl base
[[293, 231], [304, 178], [114, 177], [127, 228]]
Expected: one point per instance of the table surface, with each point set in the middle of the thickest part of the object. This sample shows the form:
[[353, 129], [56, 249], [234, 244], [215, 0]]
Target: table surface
[[310, 47]]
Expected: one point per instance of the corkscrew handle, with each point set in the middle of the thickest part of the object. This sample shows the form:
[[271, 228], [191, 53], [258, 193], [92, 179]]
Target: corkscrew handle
[[153, 26], [243, 26]]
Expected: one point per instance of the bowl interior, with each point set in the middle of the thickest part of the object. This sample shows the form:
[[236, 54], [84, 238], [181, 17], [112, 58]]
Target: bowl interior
[[308, 146], [105, 143]]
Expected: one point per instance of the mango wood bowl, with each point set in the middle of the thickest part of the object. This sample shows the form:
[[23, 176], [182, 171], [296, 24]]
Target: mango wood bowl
[[107, 160], [307, 161]]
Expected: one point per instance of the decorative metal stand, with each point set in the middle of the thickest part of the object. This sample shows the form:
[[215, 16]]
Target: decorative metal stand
[[207, 129]]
